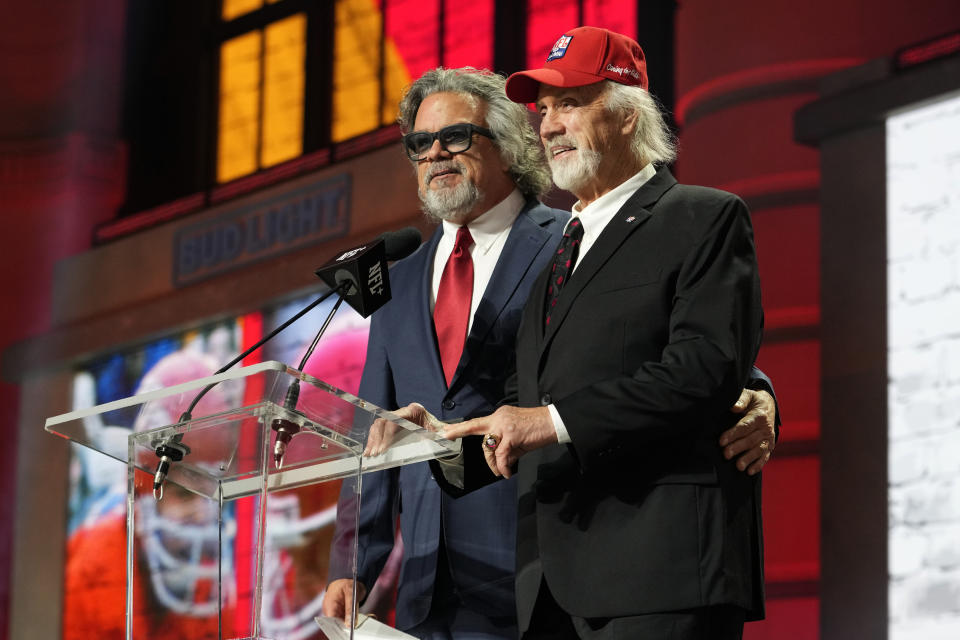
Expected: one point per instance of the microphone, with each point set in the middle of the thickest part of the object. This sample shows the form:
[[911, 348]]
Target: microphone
[[172, 451], [343, 276], [362, 273], [401, 243], [363, 270]]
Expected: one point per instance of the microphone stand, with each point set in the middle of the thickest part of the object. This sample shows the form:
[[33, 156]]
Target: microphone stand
[[173, 449], [285, 428]]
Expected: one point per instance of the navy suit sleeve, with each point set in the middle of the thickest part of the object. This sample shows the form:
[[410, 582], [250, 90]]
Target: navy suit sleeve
[[380, 489], [510, 391], [759, 381], [713, 336]]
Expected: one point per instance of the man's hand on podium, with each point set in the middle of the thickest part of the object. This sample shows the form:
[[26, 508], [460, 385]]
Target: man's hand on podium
[[338, 602], [382, 432], [508, 434], [380, 437]]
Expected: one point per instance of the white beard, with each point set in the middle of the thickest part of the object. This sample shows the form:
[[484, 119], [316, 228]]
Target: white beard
[[573, 173], [450, 203]]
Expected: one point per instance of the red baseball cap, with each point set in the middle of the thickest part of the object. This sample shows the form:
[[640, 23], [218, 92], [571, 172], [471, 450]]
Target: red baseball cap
[[580, 57]]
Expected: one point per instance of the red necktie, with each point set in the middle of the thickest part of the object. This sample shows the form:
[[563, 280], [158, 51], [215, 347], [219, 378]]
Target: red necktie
[[451, 313]]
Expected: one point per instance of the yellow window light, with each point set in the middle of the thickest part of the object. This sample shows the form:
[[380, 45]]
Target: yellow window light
[[283, 90], [356, 69], [239, 106], [236, 8]]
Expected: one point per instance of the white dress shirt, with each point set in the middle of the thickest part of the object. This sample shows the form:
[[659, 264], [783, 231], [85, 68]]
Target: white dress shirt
[[489, 232], [594, 218], [598, 213]]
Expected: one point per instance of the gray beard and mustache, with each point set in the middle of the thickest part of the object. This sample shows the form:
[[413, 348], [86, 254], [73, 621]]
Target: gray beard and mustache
[[449, 203], [573, 173]]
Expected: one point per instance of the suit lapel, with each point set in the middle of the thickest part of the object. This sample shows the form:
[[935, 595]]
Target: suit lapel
[[524, 242], [538, 297], [420, 305], [631, 217]]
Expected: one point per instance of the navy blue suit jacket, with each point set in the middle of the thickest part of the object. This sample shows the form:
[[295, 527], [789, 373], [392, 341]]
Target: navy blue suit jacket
[[403, 366]]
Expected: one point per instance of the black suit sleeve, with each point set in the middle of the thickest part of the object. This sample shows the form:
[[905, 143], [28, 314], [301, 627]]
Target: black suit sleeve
[[714, 330]]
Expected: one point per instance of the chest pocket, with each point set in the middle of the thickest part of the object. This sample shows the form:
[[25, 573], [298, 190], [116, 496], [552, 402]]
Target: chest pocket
[[619, 281]]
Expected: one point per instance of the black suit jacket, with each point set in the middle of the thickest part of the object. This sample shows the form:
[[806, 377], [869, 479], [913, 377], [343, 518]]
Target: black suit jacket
[[650, 343]]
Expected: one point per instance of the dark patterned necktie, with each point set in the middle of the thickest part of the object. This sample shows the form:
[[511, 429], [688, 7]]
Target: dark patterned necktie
[[451, 313], [563, 263]]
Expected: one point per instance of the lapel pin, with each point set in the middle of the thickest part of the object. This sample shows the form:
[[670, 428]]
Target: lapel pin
[[631, 218]]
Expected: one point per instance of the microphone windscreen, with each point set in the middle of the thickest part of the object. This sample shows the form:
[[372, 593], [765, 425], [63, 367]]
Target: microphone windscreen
[[399, 244]]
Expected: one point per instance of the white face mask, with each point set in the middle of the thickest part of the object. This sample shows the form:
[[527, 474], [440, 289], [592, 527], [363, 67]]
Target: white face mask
[[182, 557]]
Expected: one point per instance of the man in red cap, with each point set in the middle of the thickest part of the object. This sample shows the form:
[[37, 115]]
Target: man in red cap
[[634, 343]]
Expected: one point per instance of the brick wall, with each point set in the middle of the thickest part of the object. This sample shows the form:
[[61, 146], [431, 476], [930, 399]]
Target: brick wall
[[923, 289]]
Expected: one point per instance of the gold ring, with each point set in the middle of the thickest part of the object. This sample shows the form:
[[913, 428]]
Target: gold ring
[[490, 441]]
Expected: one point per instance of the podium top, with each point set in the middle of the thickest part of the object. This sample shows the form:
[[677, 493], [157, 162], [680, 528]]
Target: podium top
[[229, 439]]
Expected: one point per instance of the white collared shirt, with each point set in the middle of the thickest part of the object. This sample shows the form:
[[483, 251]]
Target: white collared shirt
[[594, 218], [598, 213], [489, 232]]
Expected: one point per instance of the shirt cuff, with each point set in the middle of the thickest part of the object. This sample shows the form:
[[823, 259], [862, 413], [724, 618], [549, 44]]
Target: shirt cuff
[[562, 436], [452, 469]]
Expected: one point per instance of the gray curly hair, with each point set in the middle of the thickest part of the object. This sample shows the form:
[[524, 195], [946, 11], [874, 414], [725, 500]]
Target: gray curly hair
[[517, 142]]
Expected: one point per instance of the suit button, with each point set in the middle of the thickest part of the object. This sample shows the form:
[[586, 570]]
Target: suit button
[[448, 404], [545, 399]]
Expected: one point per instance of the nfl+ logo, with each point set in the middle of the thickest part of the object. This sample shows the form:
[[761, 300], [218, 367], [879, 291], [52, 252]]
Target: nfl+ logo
[[559, 48]]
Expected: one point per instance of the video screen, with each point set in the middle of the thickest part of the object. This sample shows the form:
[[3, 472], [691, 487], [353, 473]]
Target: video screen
[[174, 571]]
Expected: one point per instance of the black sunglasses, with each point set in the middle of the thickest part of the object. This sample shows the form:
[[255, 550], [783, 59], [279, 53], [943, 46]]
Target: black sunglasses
[[455, 138]]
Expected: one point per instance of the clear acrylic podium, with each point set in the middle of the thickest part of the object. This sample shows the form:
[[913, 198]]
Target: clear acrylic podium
[[226, 486]]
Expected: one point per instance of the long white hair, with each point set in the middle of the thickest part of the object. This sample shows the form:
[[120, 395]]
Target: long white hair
[[652, 139]]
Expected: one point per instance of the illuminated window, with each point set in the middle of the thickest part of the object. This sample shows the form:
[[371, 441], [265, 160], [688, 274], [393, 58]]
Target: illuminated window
[[376, 48], [283, 90], [357, 62], [369, 74], [236, 8], [239, 106], [261, 96], [382, 45]]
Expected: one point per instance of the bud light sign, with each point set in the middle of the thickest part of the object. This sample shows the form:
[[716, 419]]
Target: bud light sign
[[254, 232]]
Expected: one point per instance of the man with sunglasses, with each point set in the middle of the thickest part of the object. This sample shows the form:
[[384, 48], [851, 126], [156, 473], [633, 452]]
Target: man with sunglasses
[[448, 341]]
